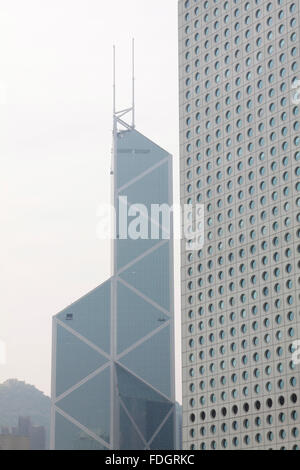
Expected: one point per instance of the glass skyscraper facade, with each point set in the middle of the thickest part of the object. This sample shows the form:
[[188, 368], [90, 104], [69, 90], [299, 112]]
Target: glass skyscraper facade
[[113, 385], [240, 158]]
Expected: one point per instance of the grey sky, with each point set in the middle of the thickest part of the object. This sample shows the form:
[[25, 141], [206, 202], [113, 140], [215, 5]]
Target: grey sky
[[55, 141]]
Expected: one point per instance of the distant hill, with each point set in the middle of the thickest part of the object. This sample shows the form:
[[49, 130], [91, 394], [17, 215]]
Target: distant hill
[[20, 399]]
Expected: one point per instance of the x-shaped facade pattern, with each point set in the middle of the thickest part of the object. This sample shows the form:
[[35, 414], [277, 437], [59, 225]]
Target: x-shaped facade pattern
[[113, 350]]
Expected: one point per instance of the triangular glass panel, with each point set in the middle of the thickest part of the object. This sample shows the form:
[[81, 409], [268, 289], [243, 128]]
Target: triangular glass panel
[[151, 189], [128, 250], [90, 316], [151, 361], [129, 437], [135, 155], [70, 437], [136, 318], [147, 407], [165, 438], [75, 360], [151, 276], [90, 405]]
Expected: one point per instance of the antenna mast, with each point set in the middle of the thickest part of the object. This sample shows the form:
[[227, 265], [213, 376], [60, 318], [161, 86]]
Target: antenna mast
[[118, 115], [133, 84], [114, 80]]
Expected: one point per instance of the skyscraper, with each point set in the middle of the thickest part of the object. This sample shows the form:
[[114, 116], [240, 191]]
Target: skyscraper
[[240, 158], [113, 383]]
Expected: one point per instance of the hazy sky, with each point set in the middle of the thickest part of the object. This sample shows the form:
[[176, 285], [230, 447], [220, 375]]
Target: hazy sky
[[55, 144]]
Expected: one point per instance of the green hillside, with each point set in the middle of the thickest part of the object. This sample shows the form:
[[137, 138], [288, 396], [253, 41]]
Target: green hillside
[[20, 399]]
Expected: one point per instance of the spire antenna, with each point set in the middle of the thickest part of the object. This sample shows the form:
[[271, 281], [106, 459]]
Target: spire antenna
[[119, 114], [133, 84], [114, 79]]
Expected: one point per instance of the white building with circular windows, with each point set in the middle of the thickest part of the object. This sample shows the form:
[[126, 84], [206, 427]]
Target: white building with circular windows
[[239, 73]]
